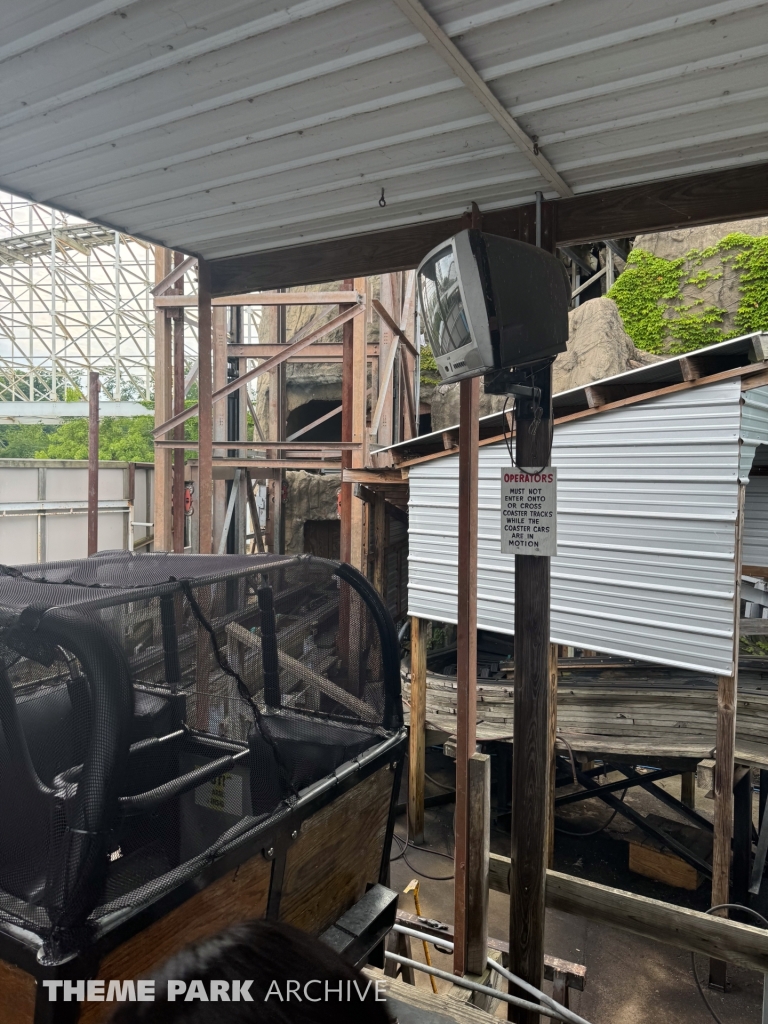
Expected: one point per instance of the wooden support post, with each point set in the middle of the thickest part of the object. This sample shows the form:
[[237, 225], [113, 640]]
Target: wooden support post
[[725, 743], [359, 431], [347, 390], [380, 544], [220, 487], [179, 517], [276, 429], [478, 843], [205, 411], [466, 652], [388, 344], [163, 539], [93, 463], [531, 764], [553, 653], [688, 789], [417, 730]]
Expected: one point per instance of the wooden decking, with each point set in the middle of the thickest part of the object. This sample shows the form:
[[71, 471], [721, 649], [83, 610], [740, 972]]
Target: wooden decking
[[624, 711]]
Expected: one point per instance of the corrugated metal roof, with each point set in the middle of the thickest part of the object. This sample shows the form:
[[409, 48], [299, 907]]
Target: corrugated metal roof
[[237, 127], [647, 502]]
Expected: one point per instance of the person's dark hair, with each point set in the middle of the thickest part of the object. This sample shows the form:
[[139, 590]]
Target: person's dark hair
[[270, 956]]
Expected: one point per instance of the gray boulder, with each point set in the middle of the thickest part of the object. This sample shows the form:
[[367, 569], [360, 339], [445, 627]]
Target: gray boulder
[[598, 347], [710, 282]]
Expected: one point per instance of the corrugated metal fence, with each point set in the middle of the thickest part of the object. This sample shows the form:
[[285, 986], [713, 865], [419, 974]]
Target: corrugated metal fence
[[647, 504]]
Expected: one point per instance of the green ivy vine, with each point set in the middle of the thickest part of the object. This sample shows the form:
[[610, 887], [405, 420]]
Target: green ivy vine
[[428, 372], [650, 298]]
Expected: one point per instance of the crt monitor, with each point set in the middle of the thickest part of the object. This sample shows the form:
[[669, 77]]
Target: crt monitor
[[488, 303]]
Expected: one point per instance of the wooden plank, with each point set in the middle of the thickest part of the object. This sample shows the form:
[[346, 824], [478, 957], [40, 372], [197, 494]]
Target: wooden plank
[[478, 843], [237, 896], [19, 992], [753, 627], [708, 198], [416, 734], [271, 298], [431, 1007], [286, 446], [648, 856], [466, 654], [394, 327], [371, 477], [338, 851], [163, 410], [321, 352], [691, 930], [205, 403]]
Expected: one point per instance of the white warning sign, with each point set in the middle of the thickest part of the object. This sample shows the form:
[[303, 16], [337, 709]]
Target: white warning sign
[[529, 512]]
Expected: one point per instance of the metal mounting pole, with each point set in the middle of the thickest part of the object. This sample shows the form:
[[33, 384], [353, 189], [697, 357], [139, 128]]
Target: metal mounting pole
[[93, 463], [531, 764]]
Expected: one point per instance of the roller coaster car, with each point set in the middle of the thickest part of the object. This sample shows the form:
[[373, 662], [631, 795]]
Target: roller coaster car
[[185, 741]]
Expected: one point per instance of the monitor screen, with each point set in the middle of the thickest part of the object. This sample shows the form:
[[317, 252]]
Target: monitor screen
[[442, 309]]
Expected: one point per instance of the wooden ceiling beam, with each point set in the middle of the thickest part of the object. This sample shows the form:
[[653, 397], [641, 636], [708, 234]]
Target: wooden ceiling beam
[[709, 198]]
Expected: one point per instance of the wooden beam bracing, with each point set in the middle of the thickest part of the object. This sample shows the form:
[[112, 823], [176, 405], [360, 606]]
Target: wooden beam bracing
[[258, 298], [691, 930], [709, 198], [178, 272], [163, 538], [291, 348], [205, 407], [447, 50]]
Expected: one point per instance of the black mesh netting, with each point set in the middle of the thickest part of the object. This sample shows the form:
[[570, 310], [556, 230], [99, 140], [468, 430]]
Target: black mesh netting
[[155, 708]]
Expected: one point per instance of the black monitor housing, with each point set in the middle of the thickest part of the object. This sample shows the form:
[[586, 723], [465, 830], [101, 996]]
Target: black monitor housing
[[489, 303]]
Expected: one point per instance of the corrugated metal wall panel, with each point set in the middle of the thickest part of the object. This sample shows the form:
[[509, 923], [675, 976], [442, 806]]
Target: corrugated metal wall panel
[[754, 428], [647, 502], [754, 546]]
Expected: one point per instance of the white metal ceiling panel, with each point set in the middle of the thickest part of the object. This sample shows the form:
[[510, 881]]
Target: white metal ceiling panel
[[245, 126], [647, 498]]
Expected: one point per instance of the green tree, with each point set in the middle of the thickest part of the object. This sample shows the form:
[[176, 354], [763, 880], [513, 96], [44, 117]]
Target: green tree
[[23, 440], [125, 439]]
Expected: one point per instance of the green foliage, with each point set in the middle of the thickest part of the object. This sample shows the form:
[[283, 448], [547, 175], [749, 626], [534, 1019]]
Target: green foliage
[[640, 292], [752, 261], [23, 440], [124, 439], [650, 300], [756, 645], [428, 372]]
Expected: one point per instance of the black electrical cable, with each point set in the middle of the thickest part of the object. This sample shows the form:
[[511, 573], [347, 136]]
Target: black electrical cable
[[720, 906], [538, 413]]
